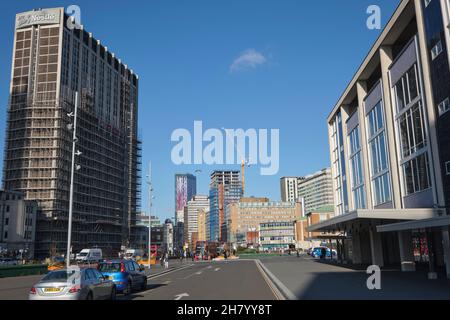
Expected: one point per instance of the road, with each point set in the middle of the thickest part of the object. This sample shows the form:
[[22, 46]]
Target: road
[[239, 280], [274, 278], [233, 280]]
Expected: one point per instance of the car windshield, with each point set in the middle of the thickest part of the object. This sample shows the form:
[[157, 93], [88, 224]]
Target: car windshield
[[83, 254], [58, 276], [109, 267]]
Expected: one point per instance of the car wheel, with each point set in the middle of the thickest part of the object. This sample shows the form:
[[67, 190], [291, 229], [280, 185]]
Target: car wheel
[[144, 284], [90, 296], [127, 290], [113, 293]]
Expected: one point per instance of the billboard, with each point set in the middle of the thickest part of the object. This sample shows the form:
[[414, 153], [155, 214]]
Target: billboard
[[46, 16]]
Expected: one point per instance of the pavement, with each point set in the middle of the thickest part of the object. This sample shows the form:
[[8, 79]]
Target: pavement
[[265, 278], [306, 278]]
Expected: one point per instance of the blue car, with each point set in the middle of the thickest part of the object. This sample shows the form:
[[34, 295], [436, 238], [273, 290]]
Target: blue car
[[127, 275], [317, 252]]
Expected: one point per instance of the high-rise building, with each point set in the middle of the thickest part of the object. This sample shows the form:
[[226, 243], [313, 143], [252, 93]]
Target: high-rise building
[[390, 145], [191, 211], [202, 224], [185, 189], [316, 190], [289, 188], [52, 61], [225, 188]]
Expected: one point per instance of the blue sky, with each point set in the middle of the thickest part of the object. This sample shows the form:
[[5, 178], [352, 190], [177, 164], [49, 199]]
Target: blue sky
[[292, 60]]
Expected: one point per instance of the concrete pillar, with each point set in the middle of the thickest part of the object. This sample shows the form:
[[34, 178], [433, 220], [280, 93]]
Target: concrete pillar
[[376, 247], [356, 251], [361, 88], [406, 251], [446, 247]]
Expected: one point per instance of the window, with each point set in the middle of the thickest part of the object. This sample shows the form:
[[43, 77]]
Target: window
[[416, 174], [6, 235], [6, 221], [407, 88], [411, 129], [410, 119], [447, 168], [339, 165], [426, 2], [378, 156], [359, 197], [444, 106], [436, 50]]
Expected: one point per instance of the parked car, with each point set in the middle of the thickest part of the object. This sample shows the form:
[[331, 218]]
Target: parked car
[[84, 284], [127, 275], [89, 255], [317, 252], [8, 262]]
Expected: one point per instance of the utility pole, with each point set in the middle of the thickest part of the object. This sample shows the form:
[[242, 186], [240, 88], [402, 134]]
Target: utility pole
[[73, 127]]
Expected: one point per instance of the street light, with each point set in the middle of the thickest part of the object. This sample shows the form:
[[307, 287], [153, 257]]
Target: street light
[[150, 197], [74, 167]]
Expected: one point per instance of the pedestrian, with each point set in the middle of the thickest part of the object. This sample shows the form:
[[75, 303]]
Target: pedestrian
[[166, 260], [323, 253]]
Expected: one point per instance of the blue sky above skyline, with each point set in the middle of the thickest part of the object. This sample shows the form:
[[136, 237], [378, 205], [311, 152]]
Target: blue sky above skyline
[[234, 64]]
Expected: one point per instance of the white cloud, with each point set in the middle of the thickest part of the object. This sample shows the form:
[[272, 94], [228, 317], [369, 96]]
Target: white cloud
[[249, 59]]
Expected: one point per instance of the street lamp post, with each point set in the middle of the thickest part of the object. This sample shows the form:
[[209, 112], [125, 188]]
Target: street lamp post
[[72, 127], [150, 197]]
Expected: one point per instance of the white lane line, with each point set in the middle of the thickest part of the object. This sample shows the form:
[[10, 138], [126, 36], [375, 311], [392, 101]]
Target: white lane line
[[181, 295], [216, 269], [150, 277]]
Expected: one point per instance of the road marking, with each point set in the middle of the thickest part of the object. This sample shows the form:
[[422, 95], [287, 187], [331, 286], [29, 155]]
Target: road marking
[[167, 282], [216, 269], [274, 283], [199, 273], [166, 273], [181, 295]]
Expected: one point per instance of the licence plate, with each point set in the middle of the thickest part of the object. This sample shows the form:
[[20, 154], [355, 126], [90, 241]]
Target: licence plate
[[52, 289]]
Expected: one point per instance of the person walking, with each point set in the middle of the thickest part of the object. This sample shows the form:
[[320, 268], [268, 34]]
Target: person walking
[[166, 261]]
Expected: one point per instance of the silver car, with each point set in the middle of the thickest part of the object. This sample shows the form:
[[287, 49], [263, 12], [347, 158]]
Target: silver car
[[73, 284]]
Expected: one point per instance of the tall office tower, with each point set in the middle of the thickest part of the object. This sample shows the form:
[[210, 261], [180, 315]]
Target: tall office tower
[[225, 188], [191, 212], [316, 191], [289, 188], [52, 61], [185, 189]]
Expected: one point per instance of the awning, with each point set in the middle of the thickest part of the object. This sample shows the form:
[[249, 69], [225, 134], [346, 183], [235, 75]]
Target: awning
[[418, 224], [341, 222]]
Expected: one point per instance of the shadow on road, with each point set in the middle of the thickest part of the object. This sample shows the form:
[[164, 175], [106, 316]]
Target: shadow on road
[[139, 294]]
